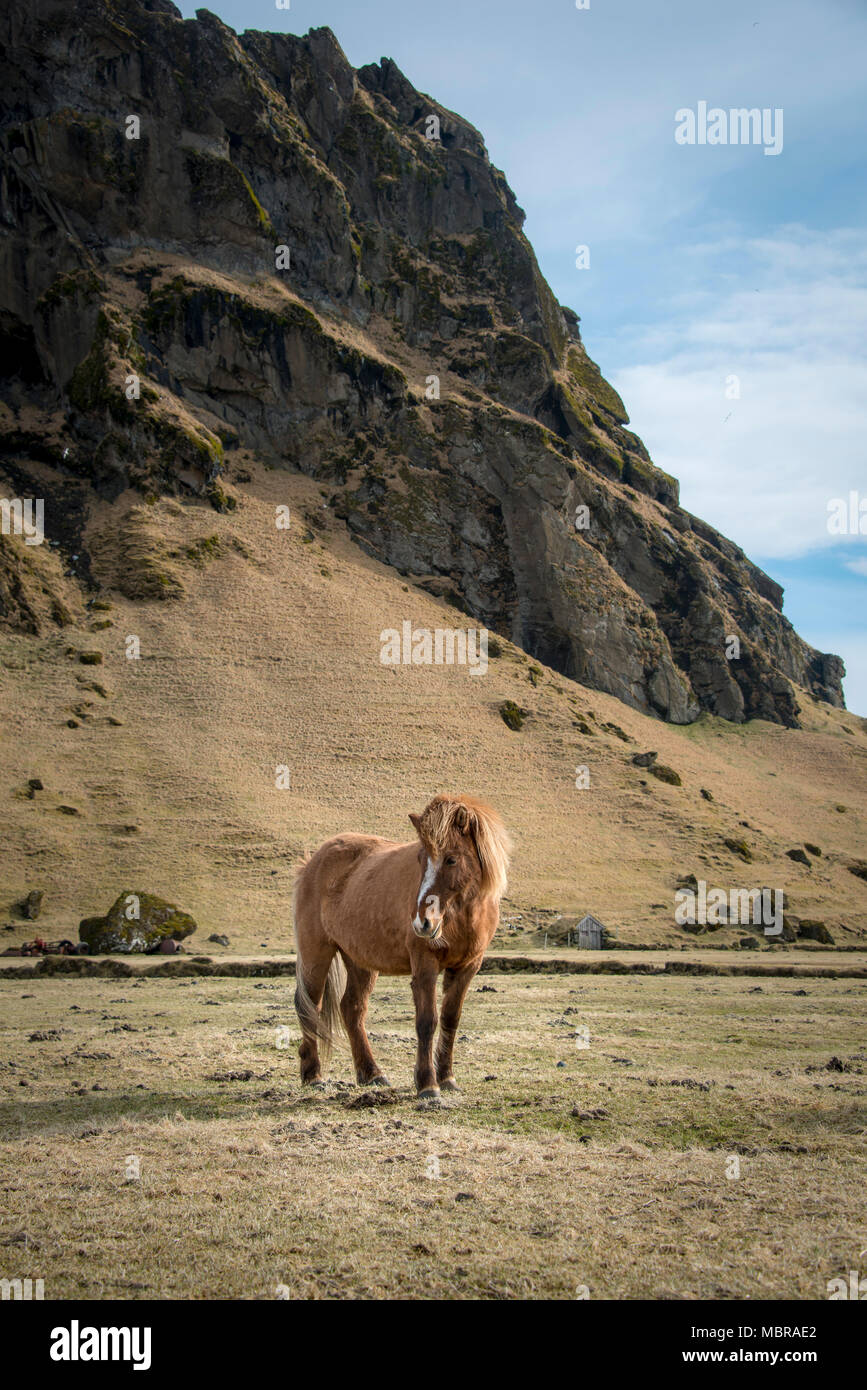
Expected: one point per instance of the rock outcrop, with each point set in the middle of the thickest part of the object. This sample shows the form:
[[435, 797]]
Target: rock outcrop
[[211, 241], [136, 922]]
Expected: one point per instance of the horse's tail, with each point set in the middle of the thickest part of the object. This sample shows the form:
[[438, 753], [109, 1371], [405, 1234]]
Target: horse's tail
[[325, 1022]]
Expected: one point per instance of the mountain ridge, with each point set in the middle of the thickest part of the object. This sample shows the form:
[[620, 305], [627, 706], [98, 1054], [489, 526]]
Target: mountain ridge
[[408, 274]]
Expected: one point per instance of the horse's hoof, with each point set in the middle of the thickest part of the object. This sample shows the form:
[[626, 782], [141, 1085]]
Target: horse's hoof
[[449, 1084], [380, 1080], [431, 1093], [316, 1085]]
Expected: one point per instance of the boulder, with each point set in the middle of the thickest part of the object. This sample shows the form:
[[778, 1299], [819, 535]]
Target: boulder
[[512, 715], [31, 906], [740, 848], [791, 927], [644, 759], [665, 774], [135, 923], [798, 856], [812, 930]]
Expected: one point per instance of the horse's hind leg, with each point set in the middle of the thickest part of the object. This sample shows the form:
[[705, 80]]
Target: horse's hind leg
[[353, 1007], [313, 975]]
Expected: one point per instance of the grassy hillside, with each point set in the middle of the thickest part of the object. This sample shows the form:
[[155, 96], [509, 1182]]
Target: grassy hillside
[[268, 654]]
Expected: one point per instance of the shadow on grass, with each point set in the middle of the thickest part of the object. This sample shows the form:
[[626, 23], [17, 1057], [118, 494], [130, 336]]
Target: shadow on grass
[[71, 1114], [93, 1111]]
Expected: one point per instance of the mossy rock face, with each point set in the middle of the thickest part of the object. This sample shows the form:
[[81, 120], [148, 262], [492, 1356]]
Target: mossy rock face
[[511, 714], [587, 374], [89, 387], [214, 179], [135, 923], [69, 286], [665, 774], [655, 482], [220, 499]]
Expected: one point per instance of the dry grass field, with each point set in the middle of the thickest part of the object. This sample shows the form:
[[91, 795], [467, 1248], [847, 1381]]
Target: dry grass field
[[558, 1166]]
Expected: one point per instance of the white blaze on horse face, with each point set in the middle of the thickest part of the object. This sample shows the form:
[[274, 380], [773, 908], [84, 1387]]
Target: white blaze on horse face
[[424, 894]]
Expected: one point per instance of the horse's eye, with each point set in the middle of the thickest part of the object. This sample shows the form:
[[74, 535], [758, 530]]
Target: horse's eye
[[451, 859]]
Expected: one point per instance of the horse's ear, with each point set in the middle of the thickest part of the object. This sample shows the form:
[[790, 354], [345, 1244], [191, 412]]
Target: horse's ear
[[416, 820]]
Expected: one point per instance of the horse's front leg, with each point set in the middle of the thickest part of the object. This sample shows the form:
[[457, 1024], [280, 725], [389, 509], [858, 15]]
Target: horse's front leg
[[424, 992], [455, 986]]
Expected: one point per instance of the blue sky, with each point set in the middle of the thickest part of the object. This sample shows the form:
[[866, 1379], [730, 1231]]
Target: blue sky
[[707, 262]]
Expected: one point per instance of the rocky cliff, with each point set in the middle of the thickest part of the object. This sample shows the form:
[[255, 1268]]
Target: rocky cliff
[[214, 245]]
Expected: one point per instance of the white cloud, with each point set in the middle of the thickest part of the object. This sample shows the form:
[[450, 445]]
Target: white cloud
[[857, 567], [787, 316]]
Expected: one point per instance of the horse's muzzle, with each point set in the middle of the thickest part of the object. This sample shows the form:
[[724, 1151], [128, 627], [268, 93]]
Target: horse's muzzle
[[427, 930]]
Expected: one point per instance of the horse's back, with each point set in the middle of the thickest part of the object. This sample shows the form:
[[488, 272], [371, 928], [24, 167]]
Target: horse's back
[[347, 849], [357, 892], [326, 872]]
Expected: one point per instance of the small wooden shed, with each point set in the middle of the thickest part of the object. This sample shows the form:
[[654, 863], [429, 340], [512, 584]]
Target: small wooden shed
[[591, 933]]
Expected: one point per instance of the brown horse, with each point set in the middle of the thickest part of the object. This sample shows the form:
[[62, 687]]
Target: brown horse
[[365, 906]]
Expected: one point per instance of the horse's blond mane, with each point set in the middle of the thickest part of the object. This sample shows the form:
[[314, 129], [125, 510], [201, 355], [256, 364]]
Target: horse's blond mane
[[447, 815]]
